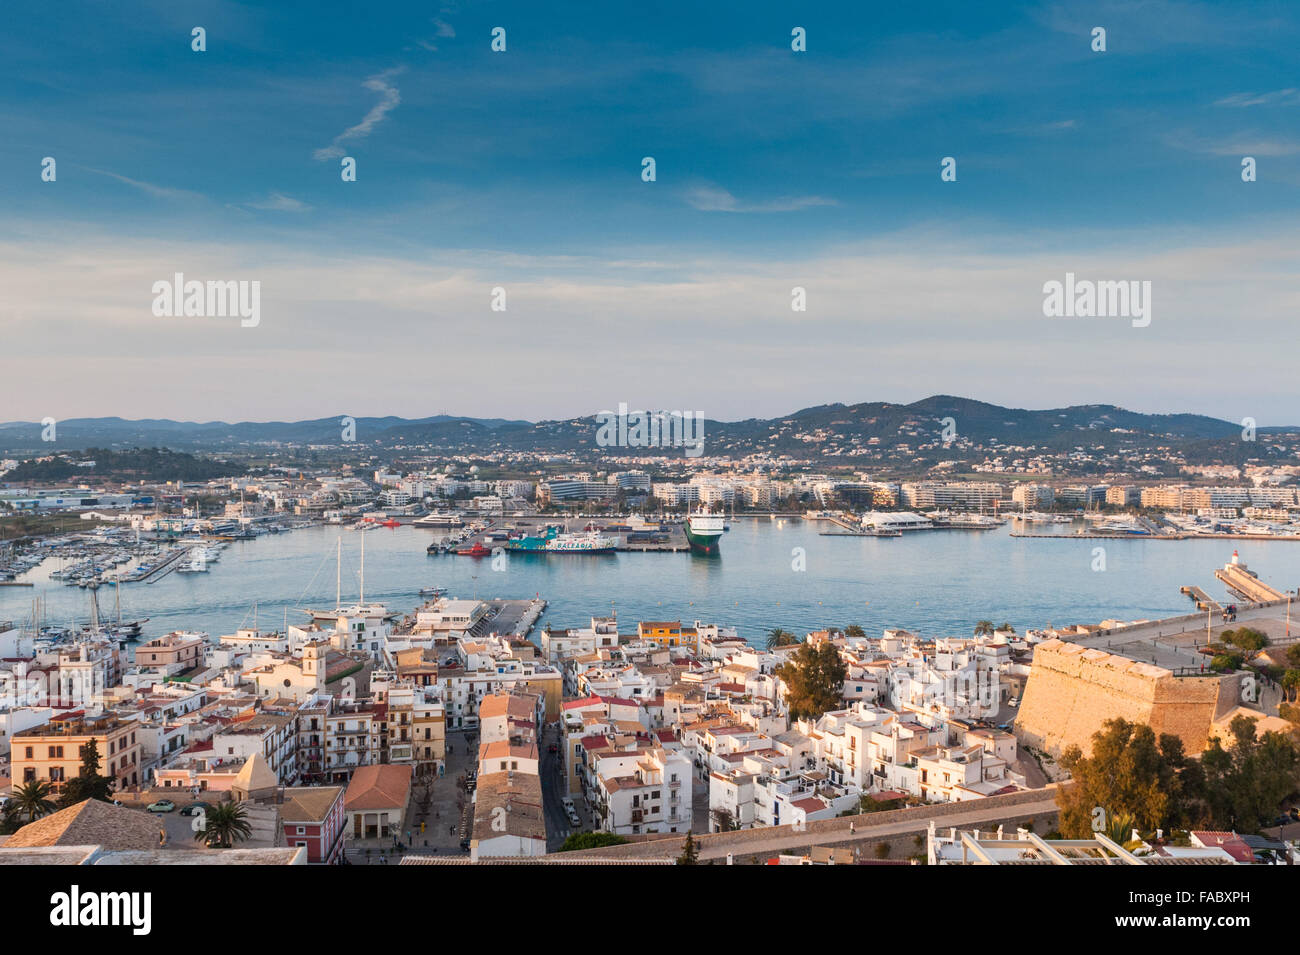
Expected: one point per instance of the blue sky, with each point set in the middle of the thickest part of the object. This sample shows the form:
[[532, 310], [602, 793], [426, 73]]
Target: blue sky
[[522, 169]]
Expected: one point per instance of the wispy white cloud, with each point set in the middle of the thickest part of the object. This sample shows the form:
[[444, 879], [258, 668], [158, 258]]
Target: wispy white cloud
[[1249, 146], [1285, 97], [279, 202], [148, 188], [1246, 143], [389, 97], [442, 29], [708, 198]]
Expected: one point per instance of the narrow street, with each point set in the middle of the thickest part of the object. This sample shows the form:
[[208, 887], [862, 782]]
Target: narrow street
[[551, 770]]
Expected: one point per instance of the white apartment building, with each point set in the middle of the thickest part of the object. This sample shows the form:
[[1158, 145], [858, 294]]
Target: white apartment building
[[1033, 497], [640, 792]]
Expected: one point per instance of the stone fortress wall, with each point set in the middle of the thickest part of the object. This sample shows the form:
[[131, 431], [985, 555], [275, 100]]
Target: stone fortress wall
[[1072, 690]]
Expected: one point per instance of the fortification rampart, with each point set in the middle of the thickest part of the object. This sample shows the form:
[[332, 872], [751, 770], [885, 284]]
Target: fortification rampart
[[1072, 690]]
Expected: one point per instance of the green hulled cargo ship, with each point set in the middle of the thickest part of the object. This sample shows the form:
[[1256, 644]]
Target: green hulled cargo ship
[[703, 532]]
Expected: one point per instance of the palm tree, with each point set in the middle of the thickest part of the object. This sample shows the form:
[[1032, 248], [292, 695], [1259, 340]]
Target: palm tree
[[776, 637], [854, 631], [31, 800], [1120, 828], [1006, 628], [983, 628], [225, 824]]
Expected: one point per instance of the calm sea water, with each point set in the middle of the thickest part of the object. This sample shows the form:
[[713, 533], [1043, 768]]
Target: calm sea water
[[936, 582]]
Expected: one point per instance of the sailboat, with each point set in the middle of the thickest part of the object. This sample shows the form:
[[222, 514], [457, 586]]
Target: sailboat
[[121, 630]]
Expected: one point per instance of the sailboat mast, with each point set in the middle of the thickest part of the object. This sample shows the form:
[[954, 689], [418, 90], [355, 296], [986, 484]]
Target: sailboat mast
[[338, 574]]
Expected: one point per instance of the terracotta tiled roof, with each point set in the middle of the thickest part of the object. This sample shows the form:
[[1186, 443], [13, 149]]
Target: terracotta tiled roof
[[379, 787]]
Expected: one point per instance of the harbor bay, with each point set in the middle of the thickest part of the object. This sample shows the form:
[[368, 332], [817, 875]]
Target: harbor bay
[[932, 582]]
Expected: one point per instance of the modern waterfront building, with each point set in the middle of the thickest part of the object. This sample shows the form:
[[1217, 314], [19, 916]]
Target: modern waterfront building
[[969, 495]]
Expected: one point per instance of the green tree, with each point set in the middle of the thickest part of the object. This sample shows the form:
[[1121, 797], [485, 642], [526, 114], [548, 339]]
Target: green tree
[[1246, 638], [87, 784], [690, 852], [854, 631], [1246, 782], [1291, 683], [1006, 627], [983, 628], [1293, 655], [776, 637], [224, 824], [1129, 773], [31, 800], [591, 840], [1226, 662], [814, 679]]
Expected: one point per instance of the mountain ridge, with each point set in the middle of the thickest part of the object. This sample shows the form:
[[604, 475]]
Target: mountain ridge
[[838, 425]]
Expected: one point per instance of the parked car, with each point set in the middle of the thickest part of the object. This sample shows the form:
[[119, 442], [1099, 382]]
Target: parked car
[[194, 808], [162, 805]]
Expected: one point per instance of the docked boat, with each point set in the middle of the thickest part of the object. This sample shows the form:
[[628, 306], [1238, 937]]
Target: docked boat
[[477, 550], [703, 531], [440, 519], [964, 521], [553, 542]]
